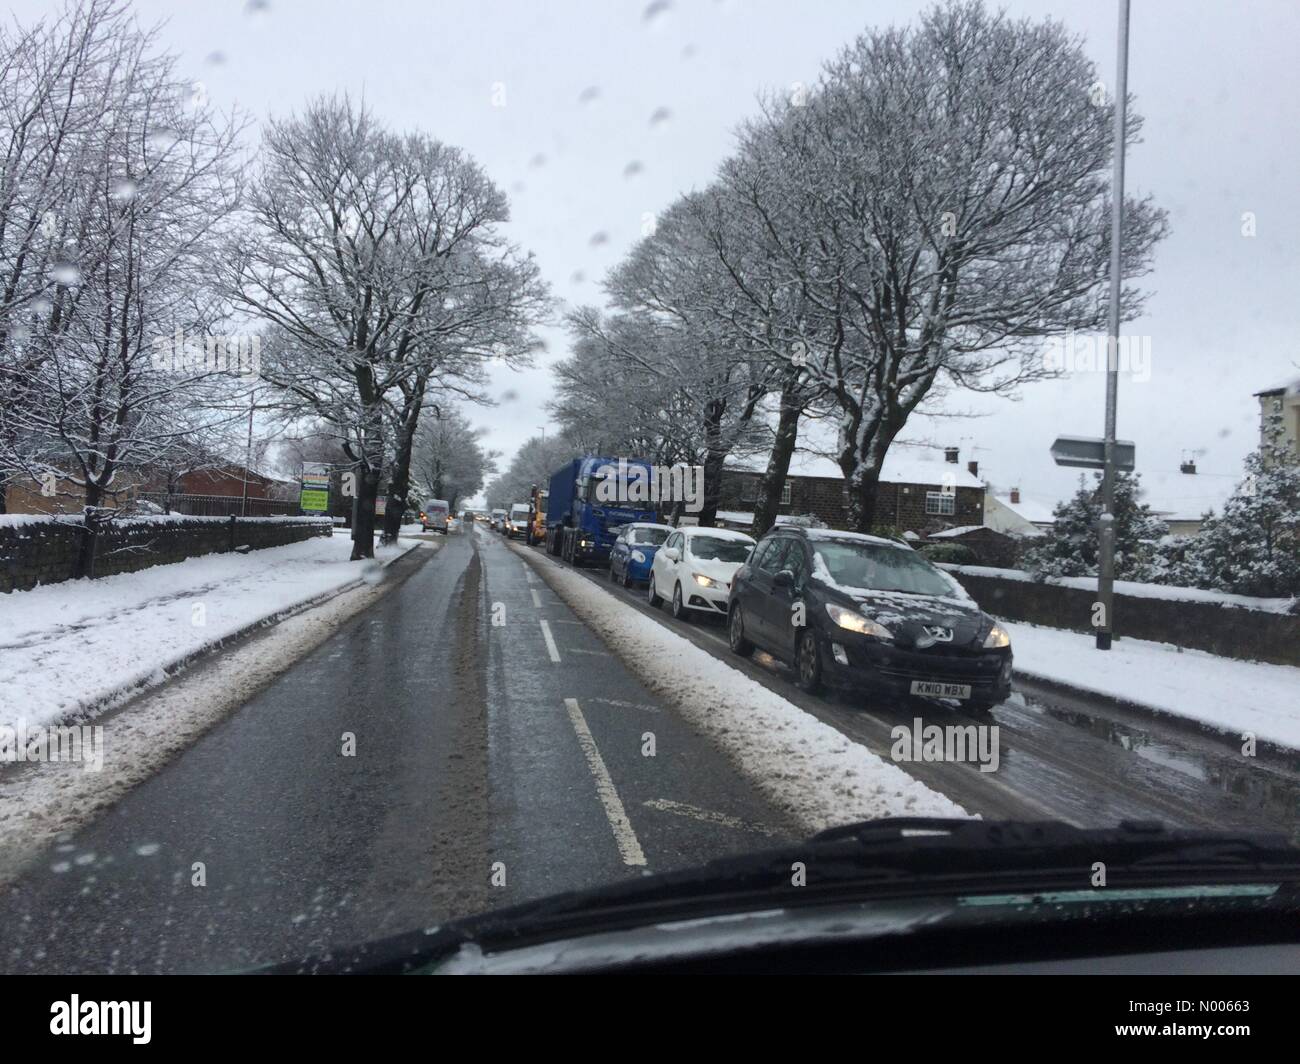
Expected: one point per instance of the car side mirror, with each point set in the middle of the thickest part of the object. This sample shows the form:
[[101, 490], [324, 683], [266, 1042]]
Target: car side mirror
[[672, 554], [785, 578]]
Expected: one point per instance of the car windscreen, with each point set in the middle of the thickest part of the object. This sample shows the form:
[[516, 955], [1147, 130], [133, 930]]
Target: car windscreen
[[717, 549], [876, 567], [649, 537]]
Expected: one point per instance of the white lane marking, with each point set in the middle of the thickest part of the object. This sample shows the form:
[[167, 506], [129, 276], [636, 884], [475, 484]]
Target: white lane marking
[[529, 575], [537, 599], [593, 653], [628, 846], [551, 648], [626, 705], [665, 805]]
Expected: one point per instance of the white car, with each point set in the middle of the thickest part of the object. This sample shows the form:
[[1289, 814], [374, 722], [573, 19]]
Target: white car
[[694, 567]]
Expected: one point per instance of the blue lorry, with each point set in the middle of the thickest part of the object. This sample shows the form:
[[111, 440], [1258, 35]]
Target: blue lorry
[[581, 526]]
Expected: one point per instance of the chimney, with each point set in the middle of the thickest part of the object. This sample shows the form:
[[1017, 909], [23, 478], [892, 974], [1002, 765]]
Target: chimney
[[950, 455], [1015, 496], [1189, 466], [973, 468]]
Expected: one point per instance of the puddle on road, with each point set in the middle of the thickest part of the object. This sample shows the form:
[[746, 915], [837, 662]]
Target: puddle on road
[[1269, 786]]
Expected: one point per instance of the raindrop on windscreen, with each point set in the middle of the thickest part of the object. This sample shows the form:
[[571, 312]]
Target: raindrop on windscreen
[[578, 277], [633, 168], [65, 273], [372, 572], [589, 95], [597, 239], [655, 10], [688, 52], [215, 58], [257, 10], [509, 395], [125, 190], [148, 849], [161, 138], [19, 333], [42, 305], [537, 160], [660, 117]]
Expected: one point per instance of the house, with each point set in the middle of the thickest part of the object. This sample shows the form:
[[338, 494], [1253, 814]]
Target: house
[[1017, 514], [914, 493], [1283, 401], [1182, 499]]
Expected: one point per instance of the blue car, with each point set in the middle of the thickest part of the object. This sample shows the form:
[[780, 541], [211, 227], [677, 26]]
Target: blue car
[[634, 551]]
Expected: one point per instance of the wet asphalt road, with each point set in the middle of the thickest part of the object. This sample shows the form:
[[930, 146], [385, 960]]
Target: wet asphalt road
[[498, 753], [467, 786], [1086, 762]]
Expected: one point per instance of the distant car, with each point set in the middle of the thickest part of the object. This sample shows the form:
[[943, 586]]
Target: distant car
[[860, 612], [634, 551], [517, 521], [694, 567], [497, 520], [435, 516]]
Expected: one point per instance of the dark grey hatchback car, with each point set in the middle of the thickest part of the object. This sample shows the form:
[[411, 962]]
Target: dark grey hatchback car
[[860, 612]]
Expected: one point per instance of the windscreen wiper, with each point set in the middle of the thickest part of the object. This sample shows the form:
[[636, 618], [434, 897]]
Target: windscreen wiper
[[892, 858]]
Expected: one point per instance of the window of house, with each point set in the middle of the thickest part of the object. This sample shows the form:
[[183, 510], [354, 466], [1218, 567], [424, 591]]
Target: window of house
[[940, 502], [785, 494]]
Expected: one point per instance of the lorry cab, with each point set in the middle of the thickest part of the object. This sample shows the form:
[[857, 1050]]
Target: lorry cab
[[537, 517], [587, 507]]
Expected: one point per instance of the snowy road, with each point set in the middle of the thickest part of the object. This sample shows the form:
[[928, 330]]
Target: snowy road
[[485, 771], [469, 741]]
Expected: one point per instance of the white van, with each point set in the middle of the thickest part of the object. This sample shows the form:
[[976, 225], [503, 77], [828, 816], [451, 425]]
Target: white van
[[435, 515]]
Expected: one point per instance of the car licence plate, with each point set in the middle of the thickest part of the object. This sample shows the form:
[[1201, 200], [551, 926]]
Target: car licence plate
[[933, 689]]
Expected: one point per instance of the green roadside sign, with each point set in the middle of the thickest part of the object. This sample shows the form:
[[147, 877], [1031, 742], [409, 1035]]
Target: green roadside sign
[[312, 500], [314, 492]]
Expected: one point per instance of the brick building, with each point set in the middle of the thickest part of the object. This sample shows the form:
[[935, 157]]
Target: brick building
[[914, 494]]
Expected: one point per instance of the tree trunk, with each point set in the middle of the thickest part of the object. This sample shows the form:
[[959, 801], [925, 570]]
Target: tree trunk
[[773, 480], [363, 532], [399, 486]]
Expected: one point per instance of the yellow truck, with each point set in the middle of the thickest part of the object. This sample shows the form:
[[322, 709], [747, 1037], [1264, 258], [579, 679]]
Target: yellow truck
[[537, 515]]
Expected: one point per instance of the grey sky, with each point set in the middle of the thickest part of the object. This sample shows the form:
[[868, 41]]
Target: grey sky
[[1216, 83]]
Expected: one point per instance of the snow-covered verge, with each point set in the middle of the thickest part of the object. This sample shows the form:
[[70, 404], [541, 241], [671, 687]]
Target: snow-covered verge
[[40, 803], [1135, 589], [1228, 695], [72, 649], [803, 766]]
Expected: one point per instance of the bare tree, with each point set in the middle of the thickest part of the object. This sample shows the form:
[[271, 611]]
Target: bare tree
[[941, 201]]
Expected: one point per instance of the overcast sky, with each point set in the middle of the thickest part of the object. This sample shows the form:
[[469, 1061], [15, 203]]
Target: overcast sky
[[1217, 84]]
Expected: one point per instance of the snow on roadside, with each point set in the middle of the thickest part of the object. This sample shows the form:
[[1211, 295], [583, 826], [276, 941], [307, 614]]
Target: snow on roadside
[[71, 649], [1229, 695], [42, 802], [805, 767]]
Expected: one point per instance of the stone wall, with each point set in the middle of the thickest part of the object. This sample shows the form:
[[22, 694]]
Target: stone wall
[[43, 550], [1232, 630]]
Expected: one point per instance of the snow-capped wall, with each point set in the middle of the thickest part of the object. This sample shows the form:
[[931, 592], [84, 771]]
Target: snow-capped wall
[[36, 549]]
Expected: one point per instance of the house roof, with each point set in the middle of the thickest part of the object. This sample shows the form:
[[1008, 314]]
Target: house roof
[[1291, 387], [1186, 496], [1030, 507], [955, 533], [900, 468]]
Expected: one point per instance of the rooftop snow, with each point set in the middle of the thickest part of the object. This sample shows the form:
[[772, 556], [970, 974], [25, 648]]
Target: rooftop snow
[[900, 468]]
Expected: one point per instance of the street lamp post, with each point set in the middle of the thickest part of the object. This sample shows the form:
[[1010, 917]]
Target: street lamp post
[[1106, 531]]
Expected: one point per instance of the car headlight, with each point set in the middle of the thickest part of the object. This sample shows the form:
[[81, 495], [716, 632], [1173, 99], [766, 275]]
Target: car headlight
[[855, 622], [637, 556], [705, 581], [997, 637]]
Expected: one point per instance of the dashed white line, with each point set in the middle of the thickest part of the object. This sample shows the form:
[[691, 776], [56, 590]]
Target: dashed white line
[[537, 599], [551, 648], [628, 846]]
